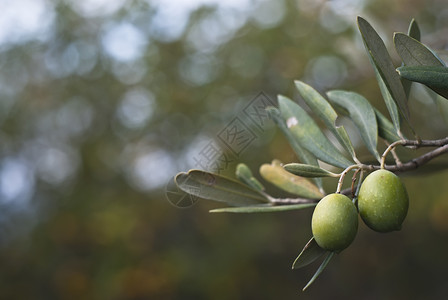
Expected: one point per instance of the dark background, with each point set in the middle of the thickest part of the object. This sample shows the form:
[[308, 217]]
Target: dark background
[[103, 102]]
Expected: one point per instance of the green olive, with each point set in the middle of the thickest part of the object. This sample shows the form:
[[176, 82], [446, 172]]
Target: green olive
[[334, 222], [383, 201]]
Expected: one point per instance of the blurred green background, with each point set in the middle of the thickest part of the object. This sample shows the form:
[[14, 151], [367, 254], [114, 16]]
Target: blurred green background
[[103, 102]]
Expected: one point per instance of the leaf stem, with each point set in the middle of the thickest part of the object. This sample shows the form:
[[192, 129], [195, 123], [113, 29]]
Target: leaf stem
[[341, 178], [394, 154], [388, 149]]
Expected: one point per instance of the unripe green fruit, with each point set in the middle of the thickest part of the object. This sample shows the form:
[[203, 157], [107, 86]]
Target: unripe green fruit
[[334, 222], [383, 201]]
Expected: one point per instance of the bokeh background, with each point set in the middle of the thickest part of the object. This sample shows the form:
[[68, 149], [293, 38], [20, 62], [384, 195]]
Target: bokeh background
[[102, 102]]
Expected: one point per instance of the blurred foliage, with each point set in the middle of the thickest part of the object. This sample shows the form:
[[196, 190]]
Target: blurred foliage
[[102, 102]]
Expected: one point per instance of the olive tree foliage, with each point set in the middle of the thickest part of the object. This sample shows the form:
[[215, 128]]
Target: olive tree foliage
[[304, 178]]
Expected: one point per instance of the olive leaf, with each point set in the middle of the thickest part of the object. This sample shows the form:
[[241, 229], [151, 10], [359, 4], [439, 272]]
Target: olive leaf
[[325, 112], [390, 83], [361, 112], [309, 254], [390, 103], [263, 208], [244, 174], [414, 53], [303, 154], [321, 268], [386, 129], [434, 77], [414, 30], [309, 135], [219, 188], [275, 174], [308, 170]]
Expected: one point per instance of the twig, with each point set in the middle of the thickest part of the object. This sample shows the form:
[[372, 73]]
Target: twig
[[425, 143], [414, 163], [290, 201], [414, 143]]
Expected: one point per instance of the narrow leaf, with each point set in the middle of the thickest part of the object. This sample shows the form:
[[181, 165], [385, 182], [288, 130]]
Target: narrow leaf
[[414, 30], [321, 268], [307, 170], [275, 174], [309, 254], [386, 129], [414, 53], [362, 114], [219, 188], [303, 154], [320, 106], [390, 103], [244, 174], [434, 77], [381, 60], [262, 208], [309, 135]]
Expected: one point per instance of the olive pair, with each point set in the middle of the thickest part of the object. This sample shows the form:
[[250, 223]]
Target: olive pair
[[382, 204]]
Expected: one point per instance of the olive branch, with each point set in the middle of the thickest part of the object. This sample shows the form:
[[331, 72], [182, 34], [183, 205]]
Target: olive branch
[[399, 167], [247, 194]]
